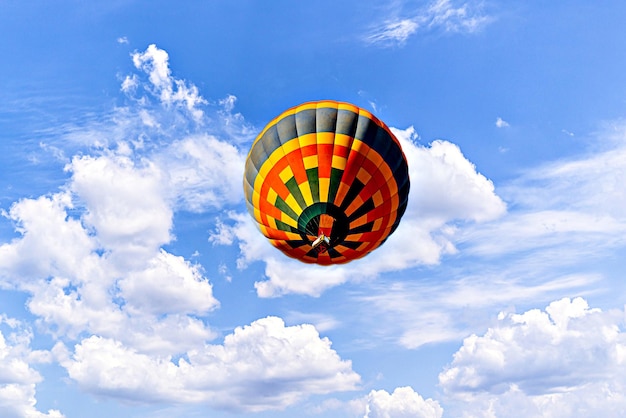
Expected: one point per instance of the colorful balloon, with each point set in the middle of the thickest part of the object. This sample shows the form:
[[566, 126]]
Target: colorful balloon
[[327, 182]]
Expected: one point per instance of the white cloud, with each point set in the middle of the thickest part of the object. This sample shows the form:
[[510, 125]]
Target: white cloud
[[440, 309], [125, 204], [262, 366], [501, 123], [321, 322], [452, 17], [91, 259], [394, 32], [565, 218], [44, 224], [445, 187], [404, 402], [167, 285], [17, 378], [542, 363], [466, 17], [171, 91], [233, 124], [568, 210], [129, 84], [204, 172]]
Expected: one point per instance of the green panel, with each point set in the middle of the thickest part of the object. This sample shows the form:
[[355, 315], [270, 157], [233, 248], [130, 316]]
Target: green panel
[[284, 227], [335, 180], [292, 185], [314, 183], [284, 207]]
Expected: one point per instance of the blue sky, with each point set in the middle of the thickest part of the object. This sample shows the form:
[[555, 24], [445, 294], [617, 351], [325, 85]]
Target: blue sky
[[134, 283]]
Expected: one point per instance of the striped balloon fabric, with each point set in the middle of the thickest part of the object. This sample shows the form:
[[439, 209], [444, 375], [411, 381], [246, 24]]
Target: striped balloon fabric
[[327, 182]]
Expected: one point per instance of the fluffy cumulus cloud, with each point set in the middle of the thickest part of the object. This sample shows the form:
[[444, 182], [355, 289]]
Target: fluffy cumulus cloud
[[566, 360], [129, 318], [85, 273], [262, 366], [125, 204], [18, 379], [445, 15], [204, 172], [445, 188], [404, 402]]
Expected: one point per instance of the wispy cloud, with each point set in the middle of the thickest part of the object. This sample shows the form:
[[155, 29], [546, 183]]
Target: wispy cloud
[[394, 32], [172, 91], [443, 15]]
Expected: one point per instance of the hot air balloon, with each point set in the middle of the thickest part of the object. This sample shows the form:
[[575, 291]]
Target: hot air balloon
[[327, 182]]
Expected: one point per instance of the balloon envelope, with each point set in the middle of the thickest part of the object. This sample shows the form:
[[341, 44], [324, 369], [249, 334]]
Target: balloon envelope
[[327, 182]]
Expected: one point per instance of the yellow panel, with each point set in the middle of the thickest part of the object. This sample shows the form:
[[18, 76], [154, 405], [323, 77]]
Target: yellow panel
[[263, 172], [310, 162], [305, 189], [276, 156], [343, 140], [257, 214], [291, 145], [377, 198], [271, 195], [384, 168], [292, 236], [348, 106], [359, 147], [363, 176], [377, 224], [256, 200], [359, 221], [375, 158], [287, 219], [356, 203], [307, 106], [308, 139], [339, 162], [293, 204], [363, 112], [324, 186], [356, 237], [325, 137], [286, 174], [327, 103]]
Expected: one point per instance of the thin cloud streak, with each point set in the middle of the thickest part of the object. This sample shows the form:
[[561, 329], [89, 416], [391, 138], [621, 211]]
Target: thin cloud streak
[[444, 15]]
